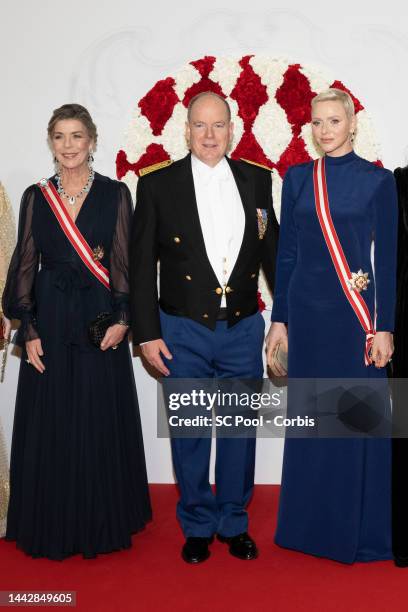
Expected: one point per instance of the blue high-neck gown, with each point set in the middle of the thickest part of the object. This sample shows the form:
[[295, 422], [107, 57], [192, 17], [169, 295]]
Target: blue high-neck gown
[[335, 493]]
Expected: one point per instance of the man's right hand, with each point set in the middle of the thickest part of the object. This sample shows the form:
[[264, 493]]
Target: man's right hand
[[151, 351]]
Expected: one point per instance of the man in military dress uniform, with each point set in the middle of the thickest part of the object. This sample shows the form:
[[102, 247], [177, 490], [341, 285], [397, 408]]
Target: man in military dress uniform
[[209, 220]]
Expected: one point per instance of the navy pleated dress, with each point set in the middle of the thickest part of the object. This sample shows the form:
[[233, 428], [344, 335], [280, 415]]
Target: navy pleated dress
[[335, 497], [77, 476]]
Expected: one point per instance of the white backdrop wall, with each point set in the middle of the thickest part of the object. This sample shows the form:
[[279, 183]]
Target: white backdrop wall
[[106, 55]]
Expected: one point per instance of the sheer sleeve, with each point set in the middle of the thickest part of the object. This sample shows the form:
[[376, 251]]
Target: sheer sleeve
[[18, 297], [7, 237], [119, 257]]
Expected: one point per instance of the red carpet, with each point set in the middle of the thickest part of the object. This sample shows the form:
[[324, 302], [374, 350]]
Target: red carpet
[[152, 577]]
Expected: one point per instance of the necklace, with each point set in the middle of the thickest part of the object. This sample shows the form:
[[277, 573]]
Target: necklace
[[72, 199]]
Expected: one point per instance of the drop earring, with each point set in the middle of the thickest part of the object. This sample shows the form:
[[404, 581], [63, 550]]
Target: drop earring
[[90, 160], [57, 167]]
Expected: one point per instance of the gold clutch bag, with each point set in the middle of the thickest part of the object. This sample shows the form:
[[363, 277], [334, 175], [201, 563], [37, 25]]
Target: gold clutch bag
[[280, 357]]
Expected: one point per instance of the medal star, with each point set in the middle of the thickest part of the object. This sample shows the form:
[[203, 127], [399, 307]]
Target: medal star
[[359, 281], [98, 253]]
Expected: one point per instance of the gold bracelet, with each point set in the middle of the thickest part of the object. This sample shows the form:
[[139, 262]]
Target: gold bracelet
[[122, 322]]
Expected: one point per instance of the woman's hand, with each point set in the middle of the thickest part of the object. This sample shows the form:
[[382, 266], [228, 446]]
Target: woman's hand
[[34, 354], [277, 334], [382, 350], [6, 325], [114, 335]]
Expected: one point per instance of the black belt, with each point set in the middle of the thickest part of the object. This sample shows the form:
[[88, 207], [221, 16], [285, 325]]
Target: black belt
[[222, 313]]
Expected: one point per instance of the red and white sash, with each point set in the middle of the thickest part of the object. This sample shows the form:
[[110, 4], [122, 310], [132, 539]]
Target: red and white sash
[[72, 232], [339, 260]]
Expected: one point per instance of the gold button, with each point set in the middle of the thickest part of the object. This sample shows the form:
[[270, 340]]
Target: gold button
[[228, 289], [253, 275], [237, 313], [205, 316], [218, 291], [176, 239], [188, 277]]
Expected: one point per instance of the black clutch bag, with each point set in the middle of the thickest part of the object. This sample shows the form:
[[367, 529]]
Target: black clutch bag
[[97, 329]]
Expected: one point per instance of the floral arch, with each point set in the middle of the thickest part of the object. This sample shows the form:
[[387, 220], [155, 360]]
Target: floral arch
[[270, 105]]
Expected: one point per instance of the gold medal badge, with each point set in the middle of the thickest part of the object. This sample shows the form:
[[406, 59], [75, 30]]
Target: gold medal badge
[[262, 216], [98, 253]]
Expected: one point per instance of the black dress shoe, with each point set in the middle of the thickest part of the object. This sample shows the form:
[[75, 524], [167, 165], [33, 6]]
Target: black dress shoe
[[241, 546], [195, 550]]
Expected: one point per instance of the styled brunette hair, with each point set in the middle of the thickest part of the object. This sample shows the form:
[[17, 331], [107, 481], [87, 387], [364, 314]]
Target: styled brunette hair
[[73, 111]]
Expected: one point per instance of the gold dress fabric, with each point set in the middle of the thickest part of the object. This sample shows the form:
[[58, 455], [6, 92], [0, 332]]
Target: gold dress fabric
[[7, 242]]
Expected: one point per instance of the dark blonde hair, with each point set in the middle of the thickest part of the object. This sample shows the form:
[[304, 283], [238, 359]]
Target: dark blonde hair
[[73, 111]]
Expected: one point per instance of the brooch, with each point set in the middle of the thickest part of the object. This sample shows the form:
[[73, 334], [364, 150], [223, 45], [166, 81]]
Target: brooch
[[358, 281], [44, 182], [98, 253], [262, 216]]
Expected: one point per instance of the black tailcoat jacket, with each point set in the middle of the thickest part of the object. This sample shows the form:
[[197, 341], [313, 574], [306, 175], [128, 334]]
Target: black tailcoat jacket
[[166, 229]]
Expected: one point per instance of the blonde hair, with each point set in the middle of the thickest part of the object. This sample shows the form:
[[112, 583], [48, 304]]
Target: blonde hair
[[340, 96]]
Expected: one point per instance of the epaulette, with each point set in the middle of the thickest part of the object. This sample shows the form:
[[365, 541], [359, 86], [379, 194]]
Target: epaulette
[[155, 167], [248, 161]]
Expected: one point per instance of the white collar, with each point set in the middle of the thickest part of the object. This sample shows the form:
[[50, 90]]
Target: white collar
[[221, 171]]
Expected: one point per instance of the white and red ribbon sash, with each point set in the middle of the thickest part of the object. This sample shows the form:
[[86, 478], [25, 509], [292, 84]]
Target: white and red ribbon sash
[[72, 232], [339, 260]]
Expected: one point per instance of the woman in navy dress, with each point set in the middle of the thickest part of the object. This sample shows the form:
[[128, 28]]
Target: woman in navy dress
[[77, 475], [335, 493]]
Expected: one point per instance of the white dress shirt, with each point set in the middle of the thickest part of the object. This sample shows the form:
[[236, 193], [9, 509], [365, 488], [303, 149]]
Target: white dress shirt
[[222, 216]]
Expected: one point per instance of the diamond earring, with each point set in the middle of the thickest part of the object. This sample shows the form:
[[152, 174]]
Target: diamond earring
[[57, 166], [90, 159]]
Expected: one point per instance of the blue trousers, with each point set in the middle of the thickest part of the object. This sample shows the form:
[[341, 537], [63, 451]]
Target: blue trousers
[[198, 352]]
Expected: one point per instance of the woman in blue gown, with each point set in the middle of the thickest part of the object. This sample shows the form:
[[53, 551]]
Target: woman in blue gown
[[335, 493], [77, 477]]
